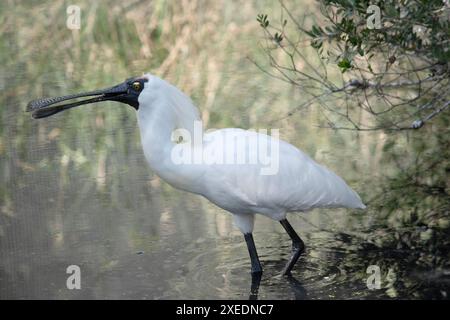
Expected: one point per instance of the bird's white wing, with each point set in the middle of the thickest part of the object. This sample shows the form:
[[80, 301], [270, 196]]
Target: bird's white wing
[[295, 182]]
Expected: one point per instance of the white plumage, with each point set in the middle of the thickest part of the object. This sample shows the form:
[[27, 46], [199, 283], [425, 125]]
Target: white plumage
[[241, 171], [300, 183]]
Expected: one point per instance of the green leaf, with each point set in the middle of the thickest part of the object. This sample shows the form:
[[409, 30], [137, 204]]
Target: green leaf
[[360, 51], [344, 65]]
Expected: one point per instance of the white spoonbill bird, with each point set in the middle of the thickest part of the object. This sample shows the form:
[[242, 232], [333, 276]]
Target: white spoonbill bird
[[297, 184]]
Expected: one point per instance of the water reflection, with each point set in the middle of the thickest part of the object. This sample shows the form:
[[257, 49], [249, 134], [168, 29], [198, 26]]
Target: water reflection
[[171, 249], [137, 238], [297, 288]]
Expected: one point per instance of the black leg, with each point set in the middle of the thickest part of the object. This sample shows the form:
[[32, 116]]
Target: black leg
[[297, 246], [256, 265]]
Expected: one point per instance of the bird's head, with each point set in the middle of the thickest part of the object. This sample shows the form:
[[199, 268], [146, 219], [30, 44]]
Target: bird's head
[[127, 92]]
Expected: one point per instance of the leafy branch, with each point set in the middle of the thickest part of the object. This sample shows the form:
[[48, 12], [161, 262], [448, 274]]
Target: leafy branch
[[392, 77]]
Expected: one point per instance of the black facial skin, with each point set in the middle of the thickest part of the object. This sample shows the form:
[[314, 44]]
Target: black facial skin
[[126, 92]]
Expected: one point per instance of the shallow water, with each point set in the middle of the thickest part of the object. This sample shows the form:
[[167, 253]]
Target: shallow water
[[141, 239]]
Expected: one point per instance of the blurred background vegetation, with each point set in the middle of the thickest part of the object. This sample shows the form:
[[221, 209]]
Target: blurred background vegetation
[[75, 187]]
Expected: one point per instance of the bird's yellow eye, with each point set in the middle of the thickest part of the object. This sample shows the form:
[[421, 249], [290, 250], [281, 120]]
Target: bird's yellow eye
[[136, 85]]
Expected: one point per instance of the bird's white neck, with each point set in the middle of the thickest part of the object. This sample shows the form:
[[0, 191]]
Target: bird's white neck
[[162, 110]]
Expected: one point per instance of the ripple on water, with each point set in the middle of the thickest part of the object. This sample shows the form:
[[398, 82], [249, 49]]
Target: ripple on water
[[333, 267], [219, 269]]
